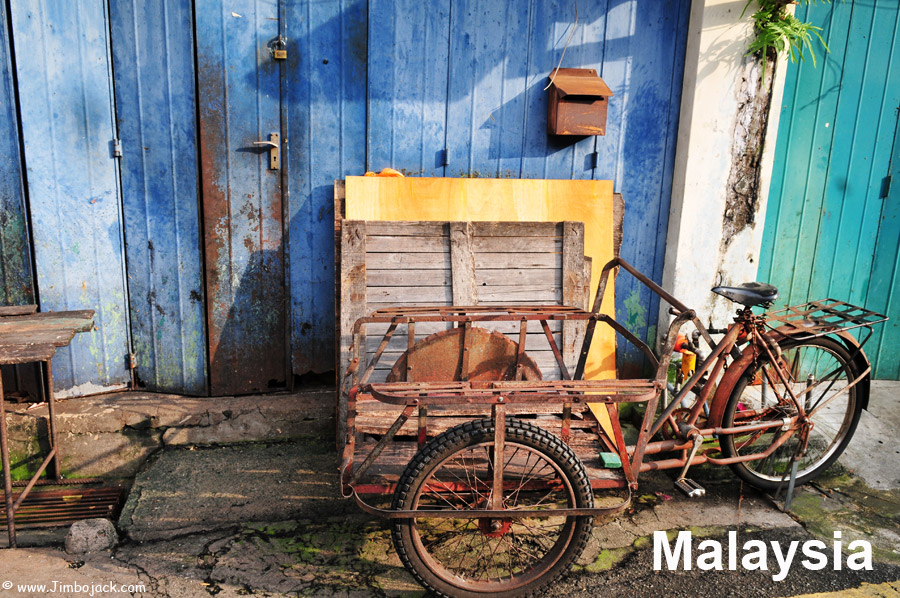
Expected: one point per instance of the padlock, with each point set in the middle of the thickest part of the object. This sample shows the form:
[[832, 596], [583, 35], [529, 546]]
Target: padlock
[[280, 50]]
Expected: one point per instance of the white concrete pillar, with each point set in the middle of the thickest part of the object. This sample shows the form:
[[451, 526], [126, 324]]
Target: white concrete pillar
[[715, 71]]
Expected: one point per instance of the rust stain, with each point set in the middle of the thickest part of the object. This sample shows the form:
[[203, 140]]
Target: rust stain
[[245, 281]]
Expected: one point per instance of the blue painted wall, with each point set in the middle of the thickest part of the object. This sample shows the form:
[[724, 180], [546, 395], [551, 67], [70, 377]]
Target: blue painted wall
[[469, 76], [439, 88], [831, 230]]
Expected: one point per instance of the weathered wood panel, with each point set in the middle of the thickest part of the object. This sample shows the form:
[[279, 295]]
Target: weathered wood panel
[[436, 263], [489, 200]]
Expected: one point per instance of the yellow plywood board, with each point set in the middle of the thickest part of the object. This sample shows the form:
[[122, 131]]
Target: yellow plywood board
[[506, 200]]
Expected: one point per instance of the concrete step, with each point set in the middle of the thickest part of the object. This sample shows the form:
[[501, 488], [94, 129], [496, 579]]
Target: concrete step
[[112, 435]]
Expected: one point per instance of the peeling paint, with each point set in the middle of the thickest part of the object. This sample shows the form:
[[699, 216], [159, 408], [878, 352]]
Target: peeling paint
[[754, 95], [635, 312]]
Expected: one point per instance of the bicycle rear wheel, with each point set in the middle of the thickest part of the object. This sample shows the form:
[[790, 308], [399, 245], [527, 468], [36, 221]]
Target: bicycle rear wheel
[[759, 396], [504, 556]]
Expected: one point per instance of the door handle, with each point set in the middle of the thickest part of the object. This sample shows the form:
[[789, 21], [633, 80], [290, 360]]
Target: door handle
[[274, 146]]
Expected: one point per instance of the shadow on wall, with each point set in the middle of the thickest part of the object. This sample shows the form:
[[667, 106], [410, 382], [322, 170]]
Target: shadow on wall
[[248, 341]]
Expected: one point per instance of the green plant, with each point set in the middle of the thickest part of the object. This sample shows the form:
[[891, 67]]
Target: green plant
[[779, 30]]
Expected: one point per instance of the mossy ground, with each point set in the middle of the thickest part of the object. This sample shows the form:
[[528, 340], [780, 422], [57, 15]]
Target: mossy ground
[[839, 501]]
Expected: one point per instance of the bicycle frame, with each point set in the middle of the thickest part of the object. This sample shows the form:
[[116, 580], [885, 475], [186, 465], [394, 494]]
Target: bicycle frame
[[574, 393], [760, 344]]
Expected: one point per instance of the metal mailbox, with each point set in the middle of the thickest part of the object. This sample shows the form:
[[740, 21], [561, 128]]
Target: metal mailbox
[[578, 103]]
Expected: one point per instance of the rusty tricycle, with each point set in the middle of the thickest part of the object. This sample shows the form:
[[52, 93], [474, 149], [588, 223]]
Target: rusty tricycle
[[495, 476]]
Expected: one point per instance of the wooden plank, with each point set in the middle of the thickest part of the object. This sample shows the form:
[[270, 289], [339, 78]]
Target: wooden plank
[[405, 278], [543, 358], [23, 337], [511, 260], [588, 267], [17, 310], [547, 277], [618, 223], [407, 244], [428, 328], [423, 228], [514, 229], [80, 320], [573, 286], [409, 295], [528, 301], [376, 423], [26, 354], [409, 261], [509, 294], [391, 463], [462, 264], [517, 244], [353, 306], [534, 341]]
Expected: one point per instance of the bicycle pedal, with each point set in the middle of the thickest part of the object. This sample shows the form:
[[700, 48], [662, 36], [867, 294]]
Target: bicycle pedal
[[690, 488]]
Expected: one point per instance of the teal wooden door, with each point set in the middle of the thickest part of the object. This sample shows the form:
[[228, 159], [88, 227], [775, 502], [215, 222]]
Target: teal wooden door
[[832, 224]]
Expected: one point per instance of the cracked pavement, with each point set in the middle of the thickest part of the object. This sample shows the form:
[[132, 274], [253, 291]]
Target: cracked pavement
[[267, 520]]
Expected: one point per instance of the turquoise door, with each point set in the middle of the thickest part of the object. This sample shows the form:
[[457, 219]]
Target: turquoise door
[[832, 225]]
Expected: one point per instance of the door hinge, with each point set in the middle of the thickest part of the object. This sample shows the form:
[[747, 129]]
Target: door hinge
[[885, 186], [445, 157], [117, 148], [131, 360], [594, 158]]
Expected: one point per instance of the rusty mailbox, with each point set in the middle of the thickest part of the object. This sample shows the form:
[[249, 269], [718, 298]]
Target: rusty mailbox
[[578, 102]]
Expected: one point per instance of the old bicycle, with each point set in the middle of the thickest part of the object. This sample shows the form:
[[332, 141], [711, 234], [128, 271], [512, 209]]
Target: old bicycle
[[501, 499]]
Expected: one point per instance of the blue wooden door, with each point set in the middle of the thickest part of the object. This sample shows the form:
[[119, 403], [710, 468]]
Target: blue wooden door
[[153, 55], [831, 224], [68, 128], [325, 128], [239, 105]]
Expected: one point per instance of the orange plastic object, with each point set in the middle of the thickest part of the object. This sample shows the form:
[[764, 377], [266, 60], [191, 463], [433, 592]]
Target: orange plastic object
[[390, 172]]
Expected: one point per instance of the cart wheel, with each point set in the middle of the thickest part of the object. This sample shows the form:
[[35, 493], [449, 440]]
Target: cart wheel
[[811, 361], [506, 556]]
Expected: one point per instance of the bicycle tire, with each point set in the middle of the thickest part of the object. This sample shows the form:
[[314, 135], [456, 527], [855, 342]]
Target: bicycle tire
[[437, 553], [833, 425]]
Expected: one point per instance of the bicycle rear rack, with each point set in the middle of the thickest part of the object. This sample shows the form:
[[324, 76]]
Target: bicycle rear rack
[[826, 316]]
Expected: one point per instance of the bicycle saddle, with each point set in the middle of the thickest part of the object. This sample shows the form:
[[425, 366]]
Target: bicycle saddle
[[749, 293]]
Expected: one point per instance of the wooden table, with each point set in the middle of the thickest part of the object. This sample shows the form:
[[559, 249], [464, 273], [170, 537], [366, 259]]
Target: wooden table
[[25, 337]]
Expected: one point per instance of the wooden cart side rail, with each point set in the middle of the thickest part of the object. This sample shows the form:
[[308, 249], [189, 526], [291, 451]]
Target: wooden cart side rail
[[594, 391]]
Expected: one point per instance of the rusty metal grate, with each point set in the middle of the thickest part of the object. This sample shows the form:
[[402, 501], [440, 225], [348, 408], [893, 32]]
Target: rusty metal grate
[[824, 316], [52, 508]]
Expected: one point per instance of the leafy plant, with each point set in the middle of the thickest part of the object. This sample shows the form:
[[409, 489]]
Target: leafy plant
[[779, 30]]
